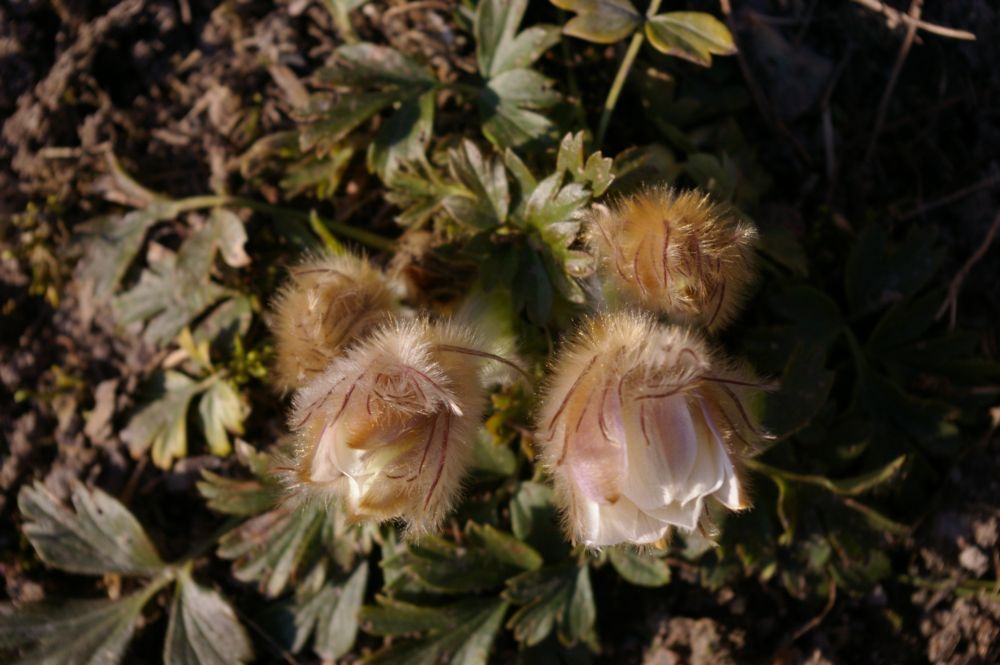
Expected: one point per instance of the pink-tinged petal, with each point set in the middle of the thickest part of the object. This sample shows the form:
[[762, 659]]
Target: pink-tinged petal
[[662, 451], [623, 522], [596, 448]]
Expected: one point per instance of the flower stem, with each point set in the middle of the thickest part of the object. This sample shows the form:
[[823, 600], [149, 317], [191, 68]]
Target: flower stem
[[623, 71], [372, 240]]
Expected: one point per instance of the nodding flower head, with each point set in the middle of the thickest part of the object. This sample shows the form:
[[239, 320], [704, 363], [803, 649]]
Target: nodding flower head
[[388, 429], [639, 426], [675, 252], [327, 303]]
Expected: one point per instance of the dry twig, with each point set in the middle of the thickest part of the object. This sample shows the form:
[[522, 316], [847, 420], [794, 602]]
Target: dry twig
[[894, 17], [950, 303]]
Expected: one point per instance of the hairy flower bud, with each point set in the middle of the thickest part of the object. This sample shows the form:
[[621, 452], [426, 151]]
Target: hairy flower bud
[[675, 252], [388, 428], [640, 424], [327, 303]]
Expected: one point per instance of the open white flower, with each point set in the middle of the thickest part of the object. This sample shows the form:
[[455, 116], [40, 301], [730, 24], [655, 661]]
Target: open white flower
[[640, 425], [388, 428]]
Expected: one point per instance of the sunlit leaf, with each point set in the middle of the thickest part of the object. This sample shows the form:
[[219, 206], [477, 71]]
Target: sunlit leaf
[[693, 36], [404, 136], [203, 628], [220, 411], [98, 536], [601, 21], [499, 48], [330, 615], [161, 425]]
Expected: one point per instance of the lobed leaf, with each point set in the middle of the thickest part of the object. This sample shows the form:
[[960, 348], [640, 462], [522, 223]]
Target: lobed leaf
[[601, 21], [161, 425], [99, 536], [76, 632]]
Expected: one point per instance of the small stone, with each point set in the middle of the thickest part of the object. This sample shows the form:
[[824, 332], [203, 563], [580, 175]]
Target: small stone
[[972, 558]]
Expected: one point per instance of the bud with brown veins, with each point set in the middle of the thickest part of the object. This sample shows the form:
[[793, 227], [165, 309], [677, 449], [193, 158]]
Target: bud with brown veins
[[675, 252], [327, 303]]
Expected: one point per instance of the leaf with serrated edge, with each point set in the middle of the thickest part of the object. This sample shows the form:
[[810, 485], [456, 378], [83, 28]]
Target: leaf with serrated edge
[[99, 536], [203, 628]]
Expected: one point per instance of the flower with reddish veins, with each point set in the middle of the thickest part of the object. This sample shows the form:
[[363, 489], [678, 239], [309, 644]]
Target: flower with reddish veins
[[675, 252], [640, 425], [388, 428], [327, 304]]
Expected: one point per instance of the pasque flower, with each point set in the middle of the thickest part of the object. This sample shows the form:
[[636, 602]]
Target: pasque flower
[[387, 429], [675, 252], [327, 303], [640, 425]]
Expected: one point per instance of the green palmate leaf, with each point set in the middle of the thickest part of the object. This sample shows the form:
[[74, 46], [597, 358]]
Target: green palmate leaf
[[273, 548], [229, 319], [161, 425], [535, 520], [499, 48], [601, 21], [552, 208], [97, 537], [639, 568], [483, 561], [595, 173], [508, 106], [878, 275], [330, 613], [88, 632], [554, 597], [111, 244], [221, 410], [329, 124], [460, 634], [802, 393], [693, 36], [371, 66], [176, 289], [486, 200], [404, 137], [242, 496], [203, 628], [320, 175]]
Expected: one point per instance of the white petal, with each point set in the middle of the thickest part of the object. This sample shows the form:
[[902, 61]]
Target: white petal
[[730, 494], [662, 450], [684, 516], [623, 522]]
